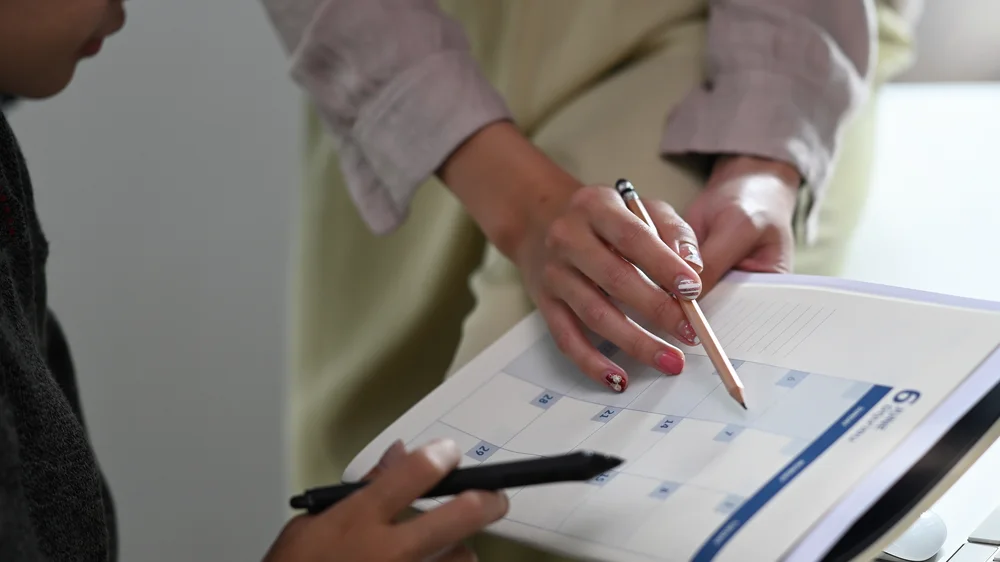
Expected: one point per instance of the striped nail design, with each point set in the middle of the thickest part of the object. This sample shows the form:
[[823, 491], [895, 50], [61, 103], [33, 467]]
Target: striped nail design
[[688, 288], [691, 255]]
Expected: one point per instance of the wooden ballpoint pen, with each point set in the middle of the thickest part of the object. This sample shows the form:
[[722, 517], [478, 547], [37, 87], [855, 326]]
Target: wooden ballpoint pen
[[732, 382]]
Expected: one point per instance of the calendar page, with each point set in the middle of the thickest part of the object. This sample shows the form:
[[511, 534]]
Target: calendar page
[[836, 373]]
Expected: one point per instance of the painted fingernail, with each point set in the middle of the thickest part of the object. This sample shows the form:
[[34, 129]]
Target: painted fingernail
[[670, 361], [688, 288], [616, 381], [392, 455], [688, 334], [690, 254]]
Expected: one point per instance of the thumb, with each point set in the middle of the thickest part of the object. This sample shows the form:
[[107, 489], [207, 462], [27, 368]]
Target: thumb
[[769, 258], [774, 253], [727, 244]]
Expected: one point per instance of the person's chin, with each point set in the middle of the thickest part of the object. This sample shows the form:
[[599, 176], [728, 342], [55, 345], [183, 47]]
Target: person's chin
[[48, 86]]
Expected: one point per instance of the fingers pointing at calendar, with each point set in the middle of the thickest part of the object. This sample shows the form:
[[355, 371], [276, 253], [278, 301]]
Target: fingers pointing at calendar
[[579, 250], [581, 263]]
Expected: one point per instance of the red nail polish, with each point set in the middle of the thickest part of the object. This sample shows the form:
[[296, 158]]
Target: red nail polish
[[669, 362], [616, 381]]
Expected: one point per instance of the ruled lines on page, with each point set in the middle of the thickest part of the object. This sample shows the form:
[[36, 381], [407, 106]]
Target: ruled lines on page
[[771, 327]]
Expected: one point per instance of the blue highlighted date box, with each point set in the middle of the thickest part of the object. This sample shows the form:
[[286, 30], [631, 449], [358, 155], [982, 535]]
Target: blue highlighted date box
[[667, 424], [605, 415], [728, 433], [664, 490], [546, 399], [482, 451]]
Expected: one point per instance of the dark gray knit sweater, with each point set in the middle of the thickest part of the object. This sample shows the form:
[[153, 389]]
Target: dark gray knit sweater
[[54, 504]]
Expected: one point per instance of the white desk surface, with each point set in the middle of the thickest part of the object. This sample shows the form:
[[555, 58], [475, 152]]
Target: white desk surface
[[935, 203]]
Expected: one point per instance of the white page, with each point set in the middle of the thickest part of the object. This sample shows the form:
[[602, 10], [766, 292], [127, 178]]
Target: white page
[[836, 374]]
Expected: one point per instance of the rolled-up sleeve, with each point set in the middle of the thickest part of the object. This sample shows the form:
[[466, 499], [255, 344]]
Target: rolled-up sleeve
[[396, 86], [783, 77]]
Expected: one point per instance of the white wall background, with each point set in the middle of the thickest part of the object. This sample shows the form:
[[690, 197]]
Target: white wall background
[[958, 40], [166, 178]]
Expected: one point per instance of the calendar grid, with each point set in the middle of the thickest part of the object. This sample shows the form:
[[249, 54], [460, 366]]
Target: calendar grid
[[738, 509], [717, 385], [536, 455], [672, 431], [678, 417]]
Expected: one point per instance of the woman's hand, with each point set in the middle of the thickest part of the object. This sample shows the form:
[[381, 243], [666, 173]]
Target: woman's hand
[[573, 245], [362, 527], [576, 261], [743, 219]]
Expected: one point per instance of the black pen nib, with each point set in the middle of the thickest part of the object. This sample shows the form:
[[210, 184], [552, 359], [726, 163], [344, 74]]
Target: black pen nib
[[602, 462]]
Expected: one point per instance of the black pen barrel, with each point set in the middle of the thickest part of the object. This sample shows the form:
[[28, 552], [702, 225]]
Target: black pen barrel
[[578, 466], [491, 477], [318, 499]]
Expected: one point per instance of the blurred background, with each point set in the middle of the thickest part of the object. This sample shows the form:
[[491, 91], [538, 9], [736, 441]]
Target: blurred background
[[167, 179]]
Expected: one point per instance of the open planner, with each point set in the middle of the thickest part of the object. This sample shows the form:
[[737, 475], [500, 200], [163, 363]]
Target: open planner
[[847, 385]]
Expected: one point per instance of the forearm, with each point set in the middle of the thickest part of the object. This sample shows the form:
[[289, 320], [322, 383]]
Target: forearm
[[506, 183], [730, 166]]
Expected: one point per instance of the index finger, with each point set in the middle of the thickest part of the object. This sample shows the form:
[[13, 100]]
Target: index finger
[[399, 485], [641, 244]]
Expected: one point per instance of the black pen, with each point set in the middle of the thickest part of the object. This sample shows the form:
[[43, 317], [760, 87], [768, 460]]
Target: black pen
[[576, 466]]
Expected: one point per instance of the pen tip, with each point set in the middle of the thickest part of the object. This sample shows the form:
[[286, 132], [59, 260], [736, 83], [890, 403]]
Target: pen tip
[[623, 186], [602, 460], [744, 404]]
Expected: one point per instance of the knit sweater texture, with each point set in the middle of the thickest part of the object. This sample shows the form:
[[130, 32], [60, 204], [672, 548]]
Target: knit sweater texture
[[54, 501]]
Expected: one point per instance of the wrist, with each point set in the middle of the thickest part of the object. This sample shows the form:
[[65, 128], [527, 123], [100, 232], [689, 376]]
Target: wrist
[[507, 185], [729, 166]]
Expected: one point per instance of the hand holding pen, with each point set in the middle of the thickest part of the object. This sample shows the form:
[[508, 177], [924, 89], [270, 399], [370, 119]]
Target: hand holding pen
[[585, 263], [723, 366], [366, 524], [359, 521], [573, 247]]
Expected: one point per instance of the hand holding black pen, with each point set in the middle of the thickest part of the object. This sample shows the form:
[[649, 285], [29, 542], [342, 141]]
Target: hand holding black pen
[[366, 525], [576, 466], [359, 521]]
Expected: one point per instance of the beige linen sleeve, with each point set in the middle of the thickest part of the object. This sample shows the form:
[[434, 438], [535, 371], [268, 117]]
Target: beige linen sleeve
[[783, 77], [396, 86]]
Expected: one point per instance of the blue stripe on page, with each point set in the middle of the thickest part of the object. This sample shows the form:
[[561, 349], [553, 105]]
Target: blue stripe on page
[[750, 507]]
